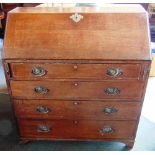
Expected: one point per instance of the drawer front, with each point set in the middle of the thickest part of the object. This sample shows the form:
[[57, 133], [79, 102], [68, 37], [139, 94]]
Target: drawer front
[[84, 129], [95, 110], [25, 71], [77, 89]]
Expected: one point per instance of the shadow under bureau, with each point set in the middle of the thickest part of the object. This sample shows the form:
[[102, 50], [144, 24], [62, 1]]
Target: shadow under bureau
[[77, 73]]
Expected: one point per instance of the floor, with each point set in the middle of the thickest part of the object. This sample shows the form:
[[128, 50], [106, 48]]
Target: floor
[[145, 139]]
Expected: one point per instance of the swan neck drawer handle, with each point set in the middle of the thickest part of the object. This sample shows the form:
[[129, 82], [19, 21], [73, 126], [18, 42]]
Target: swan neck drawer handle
[[106, 130], [41, 90], [109, 110], [43, 128], [112, 91], [42, 109], [114, 72], [38, 71]]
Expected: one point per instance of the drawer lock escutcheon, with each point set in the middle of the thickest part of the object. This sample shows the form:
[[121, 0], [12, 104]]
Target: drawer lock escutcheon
[[76, 17]]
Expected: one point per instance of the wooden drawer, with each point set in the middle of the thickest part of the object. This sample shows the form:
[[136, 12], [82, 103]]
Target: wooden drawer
[[97, 110], [65, 129], [77, 89], [26, 71]]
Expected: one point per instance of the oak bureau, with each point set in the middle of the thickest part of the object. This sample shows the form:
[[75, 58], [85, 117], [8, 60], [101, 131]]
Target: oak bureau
[[77, 73]]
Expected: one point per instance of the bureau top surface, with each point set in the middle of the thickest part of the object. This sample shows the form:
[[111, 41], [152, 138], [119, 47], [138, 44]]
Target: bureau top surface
[[112, 32], [100, 9]]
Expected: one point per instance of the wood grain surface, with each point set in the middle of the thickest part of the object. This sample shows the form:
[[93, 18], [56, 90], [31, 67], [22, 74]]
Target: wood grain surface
[[77, 90], [114, 36], [90, 110], [83, 129], [23, 71]]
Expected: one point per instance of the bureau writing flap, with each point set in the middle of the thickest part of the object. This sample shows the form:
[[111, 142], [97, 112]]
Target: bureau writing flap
[[106, 33]]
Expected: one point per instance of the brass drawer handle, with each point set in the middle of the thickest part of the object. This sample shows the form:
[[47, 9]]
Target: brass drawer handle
[[43, 128], [76, 17], [106, 130], [109, 110], [43, 109], [112, 91], [41, 90], [38, 71], [114, 72]]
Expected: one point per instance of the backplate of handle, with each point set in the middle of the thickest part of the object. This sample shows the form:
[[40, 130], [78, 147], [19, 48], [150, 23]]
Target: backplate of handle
[[106, 130], [109, 110], [38, 71], [114, 72], [42, 109], [43, 128], [41, 90], [112, 90]]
